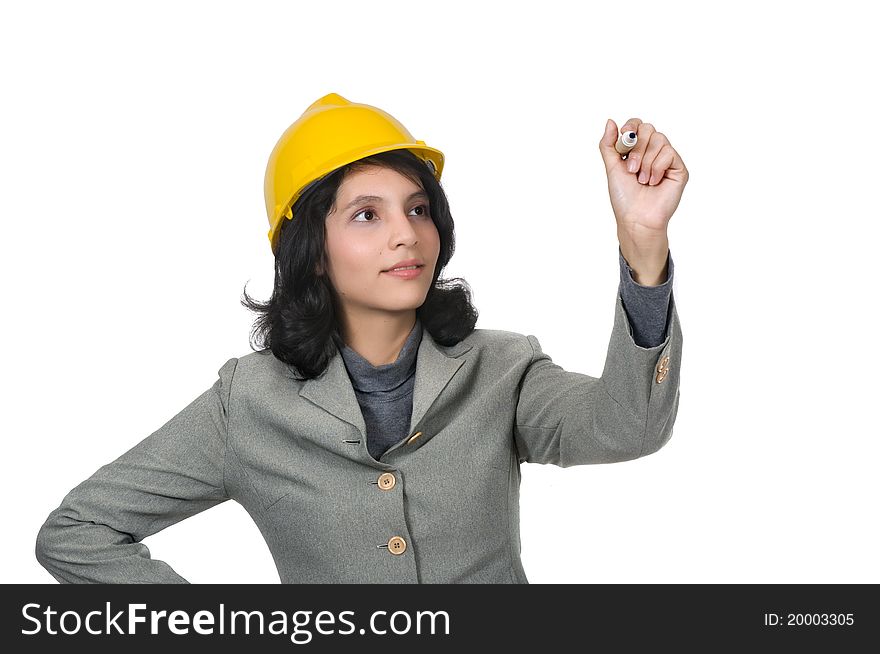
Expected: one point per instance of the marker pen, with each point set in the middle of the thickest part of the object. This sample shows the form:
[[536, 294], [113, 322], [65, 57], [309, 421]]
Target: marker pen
[[626, 142]]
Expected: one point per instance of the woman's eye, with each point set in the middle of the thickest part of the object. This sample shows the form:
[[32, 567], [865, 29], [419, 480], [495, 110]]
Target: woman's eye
[[365, 211], [424, 212]]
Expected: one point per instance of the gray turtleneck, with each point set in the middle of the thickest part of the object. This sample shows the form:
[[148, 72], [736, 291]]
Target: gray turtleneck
[[385, 393]]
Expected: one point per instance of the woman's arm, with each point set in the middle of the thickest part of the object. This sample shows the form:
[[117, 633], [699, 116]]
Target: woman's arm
[[95, 535], [568, 418]]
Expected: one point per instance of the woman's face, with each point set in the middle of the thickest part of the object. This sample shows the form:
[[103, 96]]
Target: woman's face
[[369, 236]]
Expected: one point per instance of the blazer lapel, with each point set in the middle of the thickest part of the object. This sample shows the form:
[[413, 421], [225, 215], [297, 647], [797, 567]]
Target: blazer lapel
[[435, 366], [333, 392]]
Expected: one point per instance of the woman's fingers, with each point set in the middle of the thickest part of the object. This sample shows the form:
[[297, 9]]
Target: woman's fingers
[[653, 155], [649, 154], [661, 164], [642, 156]]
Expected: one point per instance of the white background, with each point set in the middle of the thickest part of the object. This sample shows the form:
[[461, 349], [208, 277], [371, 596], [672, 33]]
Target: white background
[[134, 143]]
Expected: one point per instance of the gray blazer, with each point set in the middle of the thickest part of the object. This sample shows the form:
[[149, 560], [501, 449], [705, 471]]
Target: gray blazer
[[442, 504]]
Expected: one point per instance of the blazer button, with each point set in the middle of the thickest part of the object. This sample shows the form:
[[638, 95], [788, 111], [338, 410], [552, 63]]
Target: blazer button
[[386, 481], [662, 375], [664, 364], [397, 545], [413, 437]]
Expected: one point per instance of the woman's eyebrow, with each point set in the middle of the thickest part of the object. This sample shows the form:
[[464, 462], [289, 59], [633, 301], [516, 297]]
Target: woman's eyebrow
[[375, 198]]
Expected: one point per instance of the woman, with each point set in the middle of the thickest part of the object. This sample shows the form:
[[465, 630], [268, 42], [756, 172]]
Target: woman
[[377, 436]]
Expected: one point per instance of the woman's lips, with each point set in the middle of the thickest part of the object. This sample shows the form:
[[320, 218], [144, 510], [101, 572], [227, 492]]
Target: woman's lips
[[404, 274]]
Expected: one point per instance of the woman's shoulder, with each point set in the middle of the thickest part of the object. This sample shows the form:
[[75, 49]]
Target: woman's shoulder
[[253, 367], [499, 342]]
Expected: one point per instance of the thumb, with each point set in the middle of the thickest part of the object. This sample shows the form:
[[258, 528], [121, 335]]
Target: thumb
[[606, 146]]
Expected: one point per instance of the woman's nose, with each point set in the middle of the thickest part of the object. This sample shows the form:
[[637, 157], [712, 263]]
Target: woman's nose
[[401, 224]]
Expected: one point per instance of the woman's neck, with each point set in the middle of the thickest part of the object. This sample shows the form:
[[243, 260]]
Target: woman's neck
[[380, 340]]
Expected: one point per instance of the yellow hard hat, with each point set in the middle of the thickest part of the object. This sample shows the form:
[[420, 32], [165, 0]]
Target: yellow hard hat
[[331, 133]]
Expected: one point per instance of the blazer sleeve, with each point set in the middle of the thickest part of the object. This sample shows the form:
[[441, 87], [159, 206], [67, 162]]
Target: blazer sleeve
[[95, 535], [568, 418]]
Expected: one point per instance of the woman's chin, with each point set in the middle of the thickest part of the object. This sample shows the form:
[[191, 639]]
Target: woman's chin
[[401, 303]]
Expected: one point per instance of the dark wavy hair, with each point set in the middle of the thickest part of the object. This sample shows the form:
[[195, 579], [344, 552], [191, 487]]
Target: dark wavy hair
[[299, 322]]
